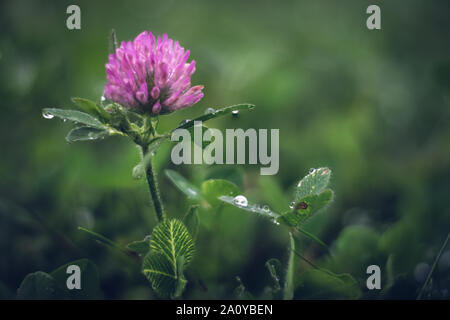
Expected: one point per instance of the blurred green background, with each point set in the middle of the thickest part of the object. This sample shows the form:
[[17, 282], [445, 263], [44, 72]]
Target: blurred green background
[[371, 105]]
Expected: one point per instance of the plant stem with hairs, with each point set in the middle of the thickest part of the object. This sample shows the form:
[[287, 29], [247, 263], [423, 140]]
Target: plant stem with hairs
[[153, 187]]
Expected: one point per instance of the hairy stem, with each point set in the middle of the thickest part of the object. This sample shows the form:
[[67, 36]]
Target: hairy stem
[[153, 186]]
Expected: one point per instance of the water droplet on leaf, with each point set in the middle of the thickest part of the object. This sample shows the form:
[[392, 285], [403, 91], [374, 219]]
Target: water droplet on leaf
[[183, 122], [292, 205], [47, 115], [241, 201], [138, 171], [210, 110]]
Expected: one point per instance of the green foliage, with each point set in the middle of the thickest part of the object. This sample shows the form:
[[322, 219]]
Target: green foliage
[[171, 250], [141, 247], [202, 143], [323, 284], [313, 183], [86, 134], [190, 190], [102, 239], [264, 211], [170, 247], [356, 246], [288, 293], [273, 193], [190, 220], [90, 283], [433, 267], [389, 154], [214, 188], [99, 123], [92, 108], [42, 286], [94, 123], [216, 114], [73, 115], [394, 241], [139, 169], [210, 190], [4, 292], [310, 196], [232, 174], [241, 292], [39, 286], [312, 237], [305, 208], [276, 273]]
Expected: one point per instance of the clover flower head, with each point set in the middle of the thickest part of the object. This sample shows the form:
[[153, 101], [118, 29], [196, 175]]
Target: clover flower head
[[151, 75]]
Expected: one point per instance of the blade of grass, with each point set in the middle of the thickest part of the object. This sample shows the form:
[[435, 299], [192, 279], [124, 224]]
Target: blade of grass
[[289, 280], [425, 284], [306, 260], [314, 238], [107, 242]]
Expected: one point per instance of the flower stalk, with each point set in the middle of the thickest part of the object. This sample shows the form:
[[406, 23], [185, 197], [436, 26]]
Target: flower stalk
[[153, 187]]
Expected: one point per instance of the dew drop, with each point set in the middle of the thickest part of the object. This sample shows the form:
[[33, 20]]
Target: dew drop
[[312, 170], [235, 113], [138, 171], [210, 111], [266, 208], [241, 201], [102, 99], [47, 115], [292, 205], [183, 122]]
